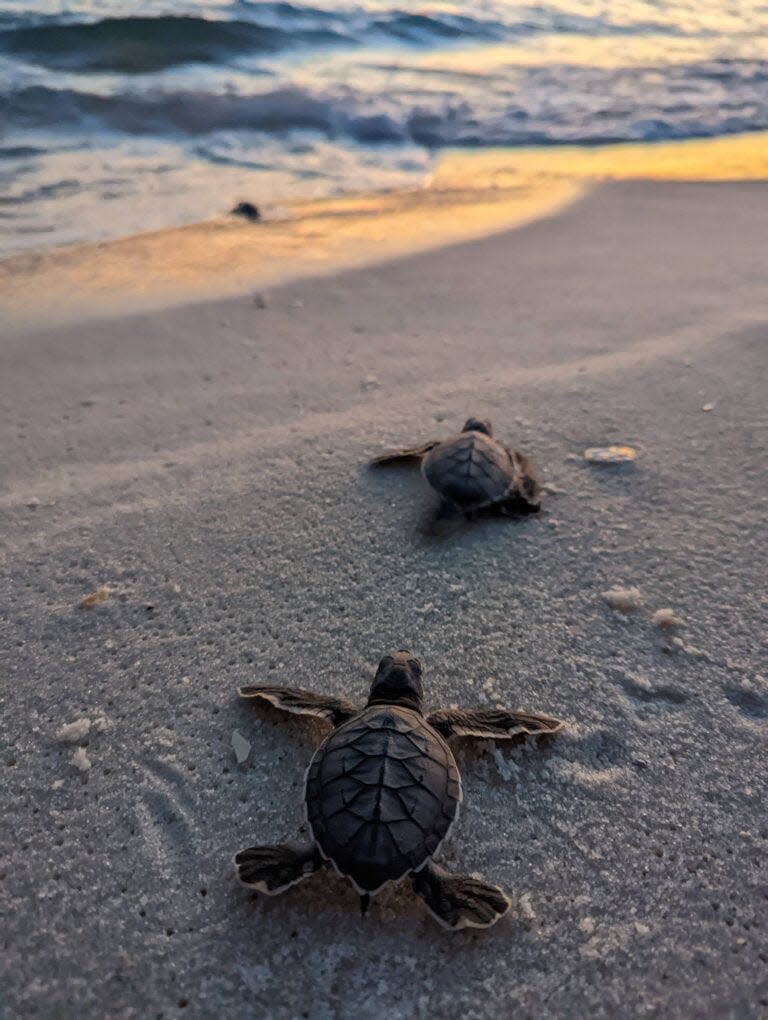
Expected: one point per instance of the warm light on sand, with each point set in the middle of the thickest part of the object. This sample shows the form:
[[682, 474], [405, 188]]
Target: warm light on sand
[[225, 257], [469, 195], [735, 158]]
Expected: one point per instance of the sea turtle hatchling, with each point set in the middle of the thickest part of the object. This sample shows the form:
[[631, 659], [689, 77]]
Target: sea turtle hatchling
[[472, 471], [382, 792]]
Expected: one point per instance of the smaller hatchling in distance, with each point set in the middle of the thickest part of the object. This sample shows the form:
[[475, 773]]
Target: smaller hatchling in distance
[[472, 471], [382, 792]]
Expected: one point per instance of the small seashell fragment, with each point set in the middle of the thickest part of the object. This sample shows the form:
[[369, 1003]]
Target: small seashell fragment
[[81, 760], [625, 600], [240, 746], [74, 732], [666, 618], [610, 455], [100, 595]]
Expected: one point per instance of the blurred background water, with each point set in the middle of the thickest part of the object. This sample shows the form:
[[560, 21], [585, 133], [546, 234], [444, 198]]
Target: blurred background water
[[118, 116]]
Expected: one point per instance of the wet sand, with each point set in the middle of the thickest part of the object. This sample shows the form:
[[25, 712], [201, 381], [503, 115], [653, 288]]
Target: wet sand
[[206, 463]]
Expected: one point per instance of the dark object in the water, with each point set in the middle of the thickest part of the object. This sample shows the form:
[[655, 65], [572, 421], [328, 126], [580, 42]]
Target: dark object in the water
[[247, 210], [382, 792], [473, 472]]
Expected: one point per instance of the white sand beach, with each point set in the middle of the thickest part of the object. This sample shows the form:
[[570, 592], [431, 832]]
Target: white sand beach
[[204, 459]]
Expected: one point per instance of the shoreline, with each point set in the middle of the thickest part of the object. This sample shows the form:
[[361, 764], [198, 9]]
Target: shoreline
[[466, 197]]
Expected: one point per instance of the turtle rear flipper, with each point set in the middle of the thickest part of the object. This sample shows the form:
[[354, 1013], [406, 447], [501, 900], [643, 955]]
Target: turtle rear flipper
[[271, 869], [525, 495], [458, 901]]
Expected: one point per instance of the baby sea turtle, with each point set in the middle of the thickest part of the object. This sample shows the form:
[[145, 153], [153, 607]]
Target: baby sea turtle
[[472, 472], [247, 210], [382, 792]]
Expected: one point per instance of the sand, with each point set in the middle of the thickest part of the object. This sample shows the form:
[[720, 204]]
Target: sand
[[206, 465]]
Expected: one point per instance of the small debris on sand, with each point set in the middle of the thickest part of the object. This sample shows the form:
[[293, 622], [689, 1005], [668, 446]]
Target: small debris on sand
[[525, 909], [260, 301], [625, 600], [506, 769], [708, 407], [695, 653], [240, 746], [81, 760], [610, 455], [666, 618], [74, 732], [57, 784], [100, 595], [79, 729], [247, 210]]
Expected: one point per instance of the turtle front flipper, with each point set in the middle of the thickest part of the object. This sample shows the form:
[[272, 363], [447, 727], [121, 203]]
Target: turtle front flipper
[[298, 702], [492, 724], [271, 869], [458, 901], [404, 455]]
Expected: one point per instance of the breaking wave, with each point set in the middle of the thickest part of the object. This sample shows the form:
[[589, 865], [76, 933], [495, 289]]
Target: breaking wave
[[687, 101]]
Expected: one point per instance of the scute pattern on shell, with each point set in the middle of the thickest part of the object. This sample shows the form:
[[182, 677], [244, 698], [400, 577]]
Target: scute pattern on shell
[[382, 791], [471, 470]]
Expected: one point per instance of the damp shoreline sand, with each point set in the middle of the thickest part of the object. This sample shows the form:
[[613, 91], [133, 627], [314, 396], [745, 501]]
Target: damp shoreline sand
[[467, 196], [204, 464]]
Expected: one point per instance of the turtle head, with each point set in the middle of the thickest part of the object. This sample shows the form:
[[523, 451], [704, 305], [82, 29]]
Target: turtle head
[[478, 425], [398, 681]]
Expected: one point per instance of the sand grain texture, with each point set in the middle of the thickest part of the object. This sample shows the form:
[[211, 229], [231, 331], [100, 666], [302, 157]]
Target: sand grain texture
[[207, 465]]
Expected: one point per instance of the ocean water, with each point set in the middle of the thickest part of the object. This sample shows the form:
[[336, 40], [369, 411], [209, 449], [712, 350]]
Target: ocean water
[[120, 116]]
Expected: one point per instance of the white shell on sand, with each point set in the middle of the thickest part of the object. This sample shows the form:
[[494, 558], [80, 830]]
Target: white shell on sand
[[79, 729], [666, 618], [74, 732], [81, 760], [626, 600], [240, 746]]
